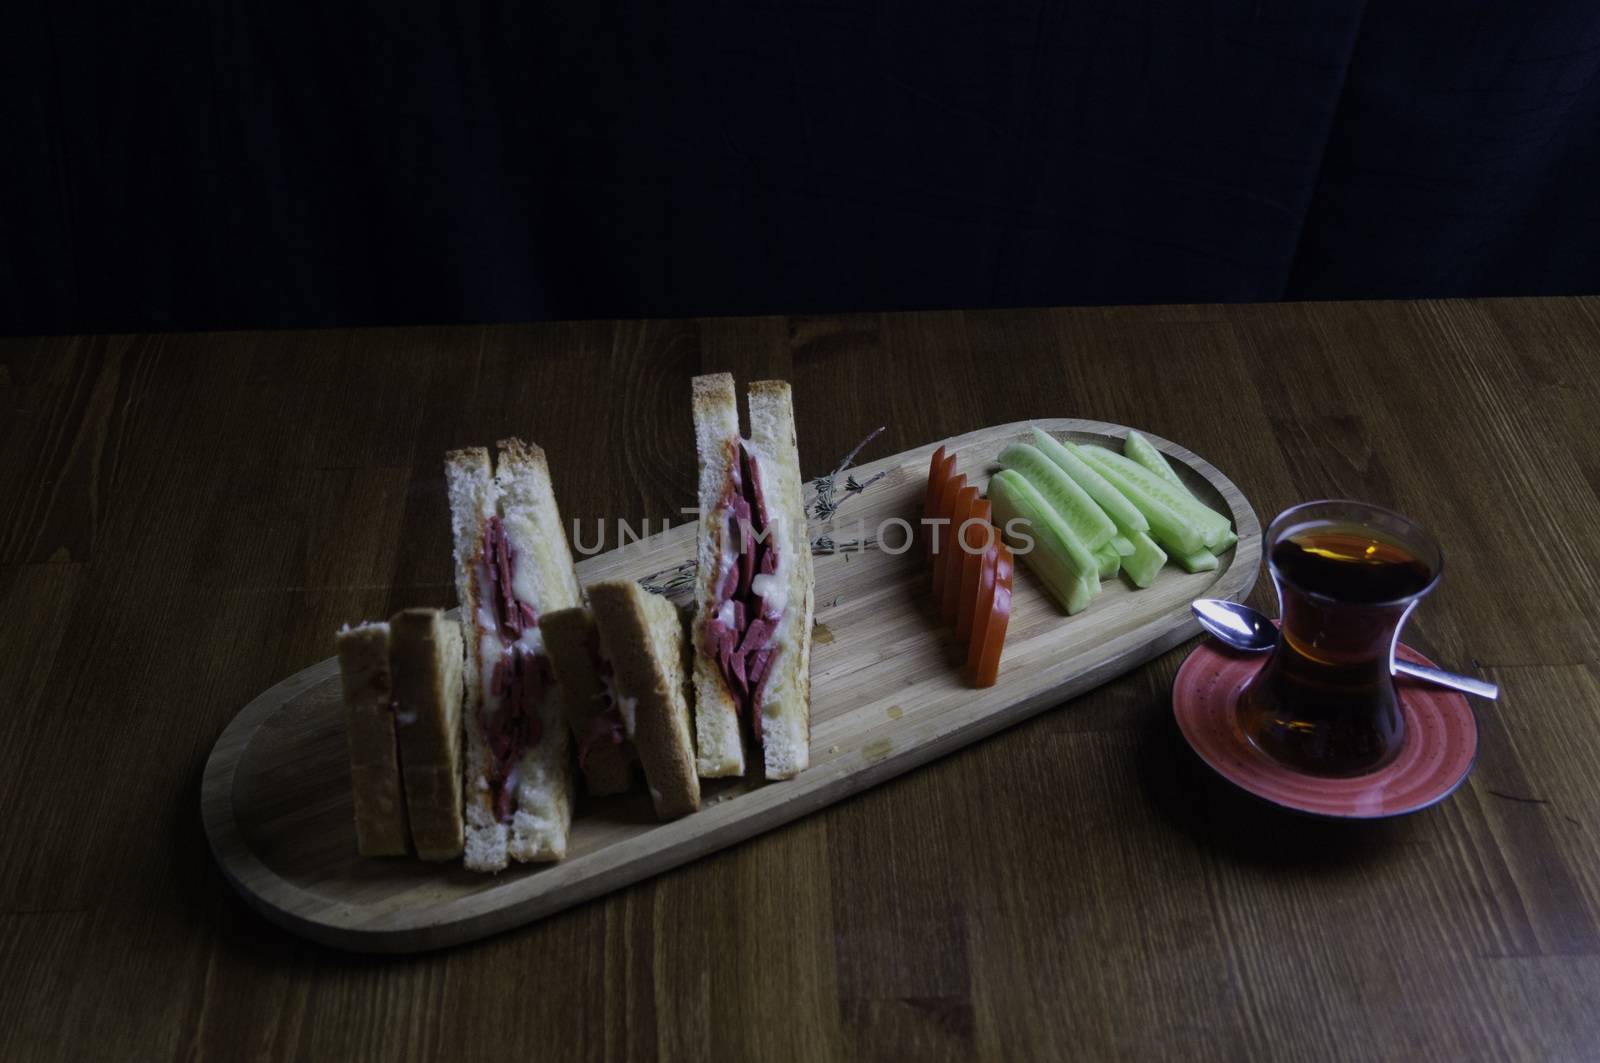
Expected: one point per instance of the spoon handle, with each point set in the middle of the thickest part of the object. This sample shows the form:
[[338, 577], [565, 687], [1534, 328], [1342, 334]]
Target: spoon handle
[[1463, 683]]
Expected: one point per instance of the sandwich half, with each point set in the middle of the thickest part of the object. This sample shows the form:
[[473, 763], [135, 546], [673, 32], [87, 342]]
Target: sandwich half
[[513, 565], [369, 728], [754, 587], [606, 755], [427, 659], [641, 635]]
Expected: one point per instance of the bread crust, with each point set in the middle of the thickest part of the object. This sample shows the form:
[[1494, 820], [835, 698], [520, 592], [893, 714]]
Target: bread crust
[[642, 636], [376, 791], [427, 660], [573, 641], [716, 428]]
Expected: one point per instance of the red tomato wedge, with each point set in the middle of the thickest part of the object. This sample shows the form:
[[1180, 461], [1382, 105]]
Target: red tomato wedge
[[941, 492], [997, 617], [941, 533], [955, 558], [982, 604], [975, 543]]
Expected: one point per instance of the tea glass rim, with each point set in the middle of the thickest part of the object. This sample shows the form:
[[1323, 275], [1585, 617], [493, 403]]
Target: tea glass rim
[[1283, 520]]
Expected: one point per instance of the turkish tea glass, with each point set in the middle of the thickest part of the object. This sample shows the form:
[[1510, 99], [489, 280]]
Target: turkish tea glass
[[1348, 575]]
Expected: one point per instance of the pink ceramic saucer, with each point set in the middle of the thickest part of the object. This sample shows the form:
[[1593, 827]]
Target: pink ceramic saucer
[[1440, 746]]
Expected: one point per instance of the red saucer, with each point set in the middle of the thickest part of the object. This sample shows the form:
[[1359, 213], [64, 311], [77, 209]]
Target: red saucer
[[1441, 743]]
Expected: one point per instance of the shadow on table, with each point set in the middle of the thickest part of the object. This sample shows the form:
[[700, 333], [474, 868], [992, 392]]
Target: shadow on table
[[1218, 815]]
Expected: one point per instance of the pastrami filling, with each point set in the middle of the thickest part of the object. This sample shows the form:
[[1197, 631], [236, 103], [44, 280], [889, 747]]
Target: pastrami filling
[[740, 624], [520, 677]]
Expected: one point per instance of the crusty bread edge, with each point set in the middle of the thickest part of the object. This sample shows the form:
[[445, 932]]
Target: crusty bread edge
[[428, 659], [643, 637], [569, 638], [376, 790], [469, 479], [716, 429]]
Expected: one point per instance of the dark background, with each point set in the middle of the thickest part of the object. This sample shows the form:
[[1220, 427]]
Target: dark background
[[243, 164]]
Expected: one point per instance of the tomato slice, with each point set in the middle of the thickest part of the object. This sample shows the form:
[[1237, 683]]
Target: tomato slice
[[976, 543], [994, 631], [954, 560], [947, 502], [941, 491], [983, 604]]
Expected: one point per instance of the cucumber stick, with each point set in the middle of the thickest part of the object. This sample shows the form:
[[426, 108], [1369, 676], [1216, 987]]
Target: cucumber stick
[[1146, 560], [1129, 476], [1199, 561], [1145, 453], [1116, 505], [1183, 501], [1072, 503], [1063, 564], [1172, 531], [1122, 545], [1110, 561]]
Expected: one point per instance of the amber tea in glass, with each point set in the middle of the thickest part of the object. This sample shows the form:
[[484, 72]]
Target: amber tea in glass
[[1347, 574]]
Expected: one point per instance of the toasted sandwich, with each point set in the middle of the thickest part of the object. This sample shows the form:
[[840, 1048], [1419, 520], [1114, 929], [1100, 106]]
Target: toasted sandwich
[[426, 660], [641, 636], [381, 828], [513, 565], [606, 756], [754, 585]]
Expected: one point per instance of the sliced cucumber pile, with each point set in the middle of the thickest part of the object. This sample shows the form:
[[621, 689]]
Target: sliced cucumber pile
[[1093, 513]]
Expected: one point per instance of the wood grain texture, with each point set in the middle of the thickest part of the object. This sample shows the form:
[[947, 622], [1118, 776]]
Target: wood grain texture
[[185, 518], [886, 697]]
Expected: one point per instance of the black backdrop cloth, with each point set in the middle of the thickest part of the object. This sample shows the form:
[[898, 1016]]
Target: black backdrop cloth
[[255, 165]]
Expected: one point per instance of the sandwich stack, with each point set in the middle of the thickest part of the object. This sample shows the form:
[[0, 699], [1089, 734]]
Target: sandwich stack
[[467, 739]]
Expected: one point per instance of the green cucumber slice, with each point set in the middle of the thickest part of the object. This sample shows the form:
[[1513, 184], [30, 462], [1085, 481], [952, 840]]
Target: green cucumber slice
[[1146, 560], [1211, 525], [1199, 561], [1122, 545], [1110, 561], [1228, 541], [1166, 526], [1071, 502], [1116, 505], [1145, 453], [1063, 564]]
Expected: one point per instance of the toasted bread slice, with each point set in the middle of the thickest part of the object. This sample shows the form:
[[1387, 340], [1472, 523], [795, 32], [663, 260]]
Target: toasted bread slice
[[642, 636], [786, 698], [369, 728], [605, 755], [541, 578], [473, 500], [427, 659], [716, 712]]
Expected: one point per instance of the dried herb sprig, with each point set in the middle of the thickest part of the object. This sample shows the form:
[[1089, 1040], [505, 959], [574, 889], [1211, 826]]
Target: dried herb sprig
[[670, 580], [824, 505], [826, 544]]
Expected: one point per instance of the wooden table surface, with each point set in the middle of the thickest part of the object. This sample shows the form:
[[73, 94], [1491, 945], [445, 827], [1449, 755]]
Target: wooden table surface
[[187, 519]]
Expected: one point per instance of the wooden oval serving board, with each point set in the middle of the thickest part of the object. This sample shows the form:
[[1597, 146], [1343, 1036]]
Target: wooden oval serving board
[[885, 698]]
